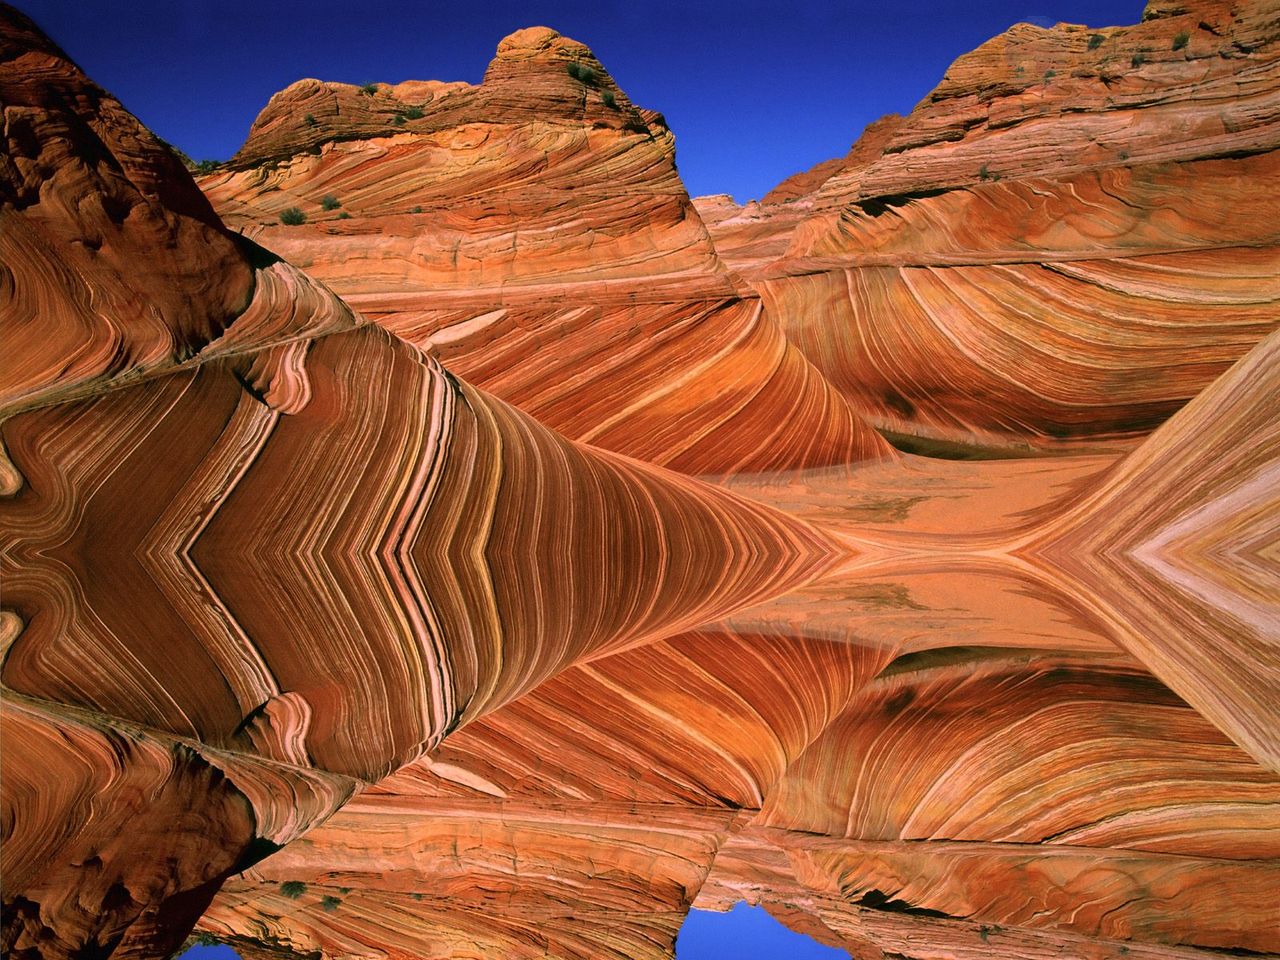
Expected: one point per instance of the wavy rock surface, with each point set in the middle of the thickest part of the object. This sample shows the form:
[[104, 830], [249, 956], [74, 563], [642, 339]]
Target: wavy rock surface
[[318, 478], [1068, 239], [434, 558], [84, 187], [539, 212], [922, 796], [1178, 548], [308, 640], [501, 844]]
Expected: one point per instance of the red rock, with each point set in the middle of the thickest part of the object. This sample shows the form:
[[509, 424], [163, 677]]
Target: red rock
[[527, 214], [1017, 262], [307, 638]]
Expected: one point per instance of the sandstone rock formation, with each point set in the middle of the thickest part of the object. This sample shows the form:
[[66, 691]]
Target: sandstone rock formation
[[425, 529], [956, 274], [542, 211], [406, 639]]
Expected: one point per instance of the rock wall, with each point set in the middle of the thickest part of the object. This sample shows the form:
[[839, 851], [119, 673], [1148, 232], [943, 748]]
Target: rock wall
[[1066, 241], [375, 611]]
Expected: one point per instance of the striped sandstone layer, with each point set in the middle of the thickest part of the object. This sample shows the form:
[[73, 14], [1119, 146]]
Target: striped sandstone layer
[[539, 213], [1068, 239], [244, 581], [308, 640], [875, 760]]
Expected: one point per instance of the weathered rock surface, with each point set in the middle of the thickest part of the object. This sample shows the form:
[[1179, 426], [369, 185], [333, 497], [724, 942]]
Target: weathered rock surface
[[309, 641], [1068, 239], [317, 478], [85, 187], [542, 212]]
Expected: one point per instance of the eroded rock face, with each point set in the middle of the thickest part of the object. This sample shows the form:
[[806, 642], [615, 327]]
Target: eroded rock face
[[539, 211], [178, 539], [1062, 188], [311, 641], [84, 187]]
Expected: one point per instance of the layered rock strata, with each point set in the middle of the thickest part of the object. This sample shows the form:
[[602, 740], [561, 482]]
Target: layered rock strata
[[539, 211], [311, 642], [244, 582], [1068, 239]]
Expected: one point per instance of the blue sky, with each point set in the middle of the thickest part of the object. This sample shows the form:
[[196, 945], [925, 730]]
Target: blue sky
[[744, 933], [218, 952], [754, 91]]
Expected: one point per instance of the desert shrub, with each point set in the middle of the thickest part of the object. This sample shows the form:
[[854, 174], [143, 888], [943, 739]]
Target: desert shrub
[[329, 903], [582, 73], [398, 119], [1095, 40], [984, 172], [293, 889], [207, 166], [413, 113], [309, 120], [329, 202], [416, 210], [344, 215], [369, 89], [1181, 40], [1137, 60], [292, 217], [609, 100], [1050, 74]]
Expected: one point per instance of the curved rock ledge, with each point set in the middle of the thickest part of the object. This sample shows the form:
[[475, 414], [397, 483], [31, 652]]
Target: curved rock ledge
[[418, 638]]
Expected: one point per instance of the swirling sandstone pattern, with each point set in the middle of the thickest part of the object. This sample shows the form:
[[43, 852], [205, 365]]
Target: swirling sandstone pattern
[[308, 641], [539, 212], [1068, 239]]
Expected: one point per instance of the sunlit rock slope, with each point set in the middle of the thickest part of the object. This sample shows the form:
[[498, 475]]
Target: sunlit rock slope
[[512, 564]]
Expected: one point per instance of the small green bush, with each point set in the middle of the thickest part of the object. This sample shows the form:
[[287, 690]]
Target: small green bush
[[369, 89], [292, 217], [609, 100], [329, 202], [416, 210], [1137, 60], [1095, 40], [1181, 40], [398, 119], [413, 113], [984, 173], [309, 120], [582, 73], [207, 166], [344, 215], [329, 904], [1050, 74], [293, 889]]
